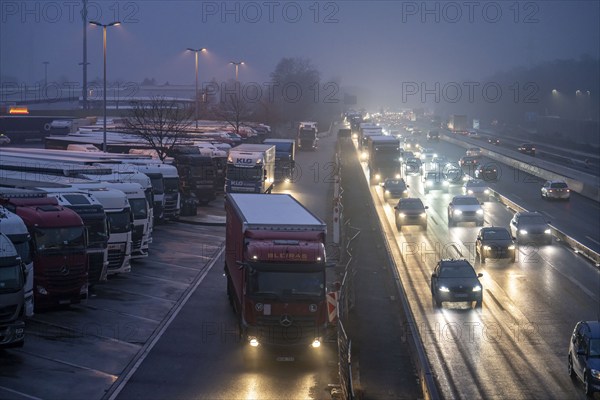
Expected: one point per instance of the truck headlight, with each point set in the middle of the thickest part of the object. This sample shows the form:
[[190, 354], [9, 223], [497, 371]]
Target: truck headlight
[[477, 288], [523, 232], [444, 289], [479, 212], [316, 343], [547, 231], [253, 342]]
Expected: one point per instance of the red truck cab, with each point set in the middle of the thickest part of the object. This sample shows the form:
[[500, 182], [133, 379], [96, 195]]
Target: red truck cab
[[59, 243], [275, 269]]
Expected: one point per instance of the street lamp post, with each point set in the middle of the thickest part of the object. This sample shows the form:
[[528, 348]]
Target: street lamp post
[[196, 51], [104, 26], [237, 66]]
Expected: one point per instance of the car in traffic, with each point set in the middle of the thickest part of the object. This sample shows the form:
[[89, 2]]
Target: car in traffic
[[410, 211], [468, 161], [434, 180], [465, 209], [527, 148], [413, 166], [494, 140], [555, 190], [495, 242], [433, 136], [427, 154], [393, 188], [410, 144], [472, 133], [583, 360], [440, 160], [477, 188], [530, 227], [456, 281], [488, 172], [474, 151]]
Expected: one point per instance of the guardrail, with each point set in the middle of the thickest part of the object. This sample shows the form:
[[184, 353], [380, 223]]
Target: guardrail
[[589, 188]]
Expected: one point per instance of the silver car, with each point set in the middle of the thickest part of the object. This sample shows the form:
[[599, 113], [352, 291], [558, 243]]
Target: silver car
[[530, 227], [557, 190]]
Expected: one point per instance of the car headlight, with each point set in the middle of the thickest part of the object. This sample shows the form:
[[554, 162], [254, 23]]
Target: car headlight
[[547, 231], [595, 373], [523, 232], [377, 176], [435, 155], [402, 215], [423, 215], [444, 289], [405, 191], [469, 191], [511, 247], [486, 191], [465, 178], [429, 183], [397, 176], [479, 212], [457, 212], [387, 192], [487, 247], [446, 183], [477, 288]]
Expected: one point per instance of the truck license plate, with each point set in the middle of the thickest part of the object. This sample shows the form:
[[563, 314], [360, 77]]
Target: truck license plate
[[285, 359]]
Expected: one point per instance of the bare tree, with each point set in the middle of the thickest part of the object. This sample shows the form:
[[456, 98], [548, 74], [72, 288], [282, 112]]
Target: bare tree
[[162, 123], [233, 109]]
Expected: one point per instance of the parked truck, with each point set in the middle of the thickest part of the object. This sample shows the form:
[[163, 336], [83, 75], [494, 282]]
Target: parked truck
[[197, 174], [458, 123], [250, 169], [285, 154], [14, 228], [58, 247], [384, 158], [12, 297], [307, 136], [275, 269]]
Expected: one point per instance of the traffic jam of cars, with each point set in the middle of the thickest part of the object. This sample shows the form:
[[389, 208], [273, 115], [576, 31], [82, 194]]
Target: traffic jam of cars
[[466, 182]]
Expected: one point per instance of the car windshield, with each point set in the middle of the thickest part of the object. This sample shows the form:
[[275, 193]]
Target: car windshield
[[559, 185], [394, 183], [411, 205], [531, 220], [500, 234], [456, 271], [472, 184], [465, 201]]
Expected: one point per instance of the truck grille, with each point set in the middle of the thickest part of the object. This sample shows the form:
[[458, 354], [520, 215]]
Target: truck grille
[[7, 313], [302, 330], [115, 258], [170, 209], [136, 237], [66, 279], [96, 264]]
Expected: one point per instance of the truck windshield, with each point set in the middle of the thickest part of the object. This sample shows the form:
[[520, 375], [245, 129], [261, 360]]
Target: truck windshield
[[281, 147], [157, 183], [139, 208], [97, 232], [59, 238], [203, 171], [244, 174], [171, 185], [286, 284], [10, 277], [307, 133], [120, 222], [21, 243]]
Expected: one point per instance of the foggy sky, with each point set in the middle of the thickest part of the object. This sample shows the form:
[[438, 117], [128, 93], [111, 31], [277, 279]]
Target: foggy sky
[[376, 45]]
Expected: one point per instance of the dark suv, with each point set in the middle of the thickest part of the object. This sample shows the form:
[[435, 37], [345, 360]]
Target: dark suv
[[411, 211], [456, 281], [495, 242], [584, 355]]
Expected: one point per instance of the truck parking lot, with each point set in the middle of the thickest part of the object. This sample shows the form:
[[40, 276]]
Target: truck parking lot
[[82, 350]]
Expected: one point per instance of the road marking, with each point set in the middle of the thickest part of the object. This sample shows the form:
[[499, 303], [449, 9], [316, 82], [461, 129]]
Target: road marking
[[517, 197], [593, 240], [97, 371], [119, 385], [20, 393]]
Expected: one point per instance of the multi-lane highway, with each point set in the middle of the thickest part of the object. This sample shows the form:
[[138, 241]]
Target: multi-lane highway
[[515, 346]]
